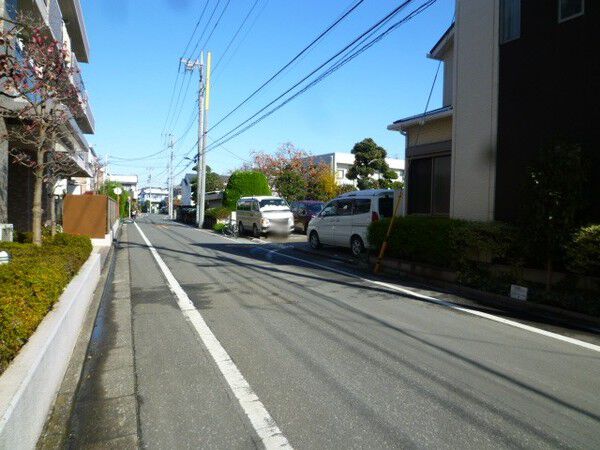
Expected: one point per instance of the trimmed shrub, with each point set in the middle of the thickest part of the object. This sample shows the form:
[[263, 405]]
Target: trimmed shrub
[[221, 213], [244, 183], [584, 251], [219, 227], [418, 239], [31, 283], [444, 242]]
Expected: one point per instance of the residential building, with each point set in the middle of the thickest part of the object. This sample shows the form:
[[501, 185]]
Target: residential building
[[129, 183], [64, 20], [186, 189], [154, 195], [340, 163], [517, 76]]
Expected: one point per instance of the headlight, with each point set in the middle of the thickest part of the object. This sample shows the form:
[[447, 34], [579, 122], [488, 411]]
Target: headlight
[[290, 220], [265, 222]]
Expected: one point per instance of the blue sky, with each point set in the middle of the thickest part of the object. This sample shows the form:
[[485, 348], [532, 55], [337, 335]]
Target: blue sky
[[136, 46]]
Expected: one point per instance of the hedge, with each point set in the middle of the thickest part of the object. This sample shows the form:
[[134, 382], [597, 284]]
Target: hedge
[[244, 183], [443, 242], [584, 251], [31, 283]]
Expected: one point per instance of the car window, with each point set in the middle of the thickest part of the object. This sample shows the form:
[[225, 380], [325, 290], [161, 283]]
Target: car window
[[315, 208], [362, 205], [277, 202], [329, 210], [386, 206], [344, 207]]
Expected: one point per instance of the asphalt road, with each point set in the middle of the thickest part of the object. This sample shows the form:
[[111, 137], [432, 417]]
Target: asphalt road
[[335, 361]]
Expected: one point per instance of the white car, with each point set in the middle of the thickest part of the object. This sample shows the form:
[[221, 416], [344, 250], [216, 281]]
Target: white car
[[263, 215], [344, 220]]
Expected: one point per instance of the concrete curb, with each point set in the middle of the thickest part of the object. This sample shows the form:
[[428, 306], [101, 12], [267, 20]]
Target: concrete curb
[[29, 386]]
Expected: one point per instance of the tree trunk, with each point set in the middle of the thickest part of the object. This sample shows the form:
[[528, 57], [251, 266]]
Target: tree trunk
[[53, 214], [37, 210]]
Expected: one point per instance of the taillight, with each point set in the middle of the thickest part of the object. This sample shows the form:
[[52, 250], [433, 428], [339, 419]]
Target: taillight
[[374, 217]]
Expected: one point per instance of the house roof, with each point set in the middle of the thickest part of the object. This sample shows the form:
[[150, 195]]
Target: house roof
[[442, 44], [403, 124]]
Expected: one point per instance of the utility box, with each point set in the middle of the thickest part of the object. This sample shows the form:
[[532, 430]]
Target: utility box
[[6, 232]]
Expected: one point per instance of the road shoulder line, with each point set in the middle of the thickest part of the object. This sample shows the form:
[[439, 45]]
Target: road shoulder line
[[262, 422]]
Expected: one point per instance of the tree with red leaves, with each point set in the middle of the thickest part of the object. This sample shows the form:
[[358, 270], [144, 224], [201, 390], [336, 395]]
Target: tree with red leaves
[[38, 96]]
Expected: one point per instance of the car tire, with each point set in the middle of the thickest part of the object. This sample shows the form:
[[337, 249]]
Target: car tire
[[255, 231], [241, 229], [314, 240], [357, 247]]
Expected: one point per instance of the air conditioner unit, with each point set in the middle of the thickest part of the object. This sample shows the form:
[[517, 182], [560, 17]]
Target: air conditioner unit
[[6, 232]]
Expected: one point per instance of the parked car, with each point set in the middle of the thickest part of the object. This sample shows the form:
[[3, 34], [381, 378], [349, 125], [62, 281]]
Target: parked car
[[263, 215], [344, 220], [303, 211]]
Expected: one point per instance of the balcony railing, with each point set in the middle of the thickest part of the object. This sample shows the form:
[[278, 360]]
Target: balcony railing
[[85, 120], [55, 19]]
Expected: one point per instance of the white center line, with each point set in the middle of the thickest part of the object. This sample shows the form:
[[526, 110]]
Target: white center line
[[262, 422], [445, 303]]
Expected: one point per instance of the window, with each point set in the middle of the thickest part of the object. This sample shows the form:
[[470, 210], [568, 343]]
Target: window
[[429, 186], [339, 174], [329, 210], [273, 203], [362, 206], [569, 9], [386, 206], [510, 20], [344, 208]]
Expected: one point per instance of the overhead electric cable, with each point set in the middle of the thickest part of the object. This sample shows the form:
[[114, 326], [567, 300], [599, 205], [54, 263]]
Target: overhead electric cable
[[223, 139], [304, 50], [205, 44]]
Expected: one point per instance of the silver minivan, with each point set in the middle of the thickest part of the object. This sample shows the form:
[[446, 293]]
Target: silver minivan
[[263, 215], [344, 220]]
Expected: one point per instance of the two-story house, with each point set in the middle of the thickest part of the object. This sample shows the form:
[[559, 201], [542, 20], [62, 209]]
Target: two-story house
[[517, 75], [64, 19]]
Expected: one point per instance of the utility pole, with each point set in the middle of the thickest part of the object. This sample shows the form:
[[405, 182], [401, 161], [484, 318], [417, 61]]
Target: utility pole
[[171, 145], [202, 187], [191, 66]]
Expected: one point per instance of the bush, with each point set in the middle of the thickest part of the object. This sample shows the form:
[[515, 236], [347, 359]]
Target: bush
[[244, 183], [584, 252], [444, 242], [221, 213], [418, 239], [31, 283], [218, 227]]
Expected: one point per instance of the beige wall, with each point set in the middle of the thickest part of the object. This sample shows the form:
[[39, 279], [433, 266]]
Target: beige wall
[[448, 75], [475, 110], [434, 131]]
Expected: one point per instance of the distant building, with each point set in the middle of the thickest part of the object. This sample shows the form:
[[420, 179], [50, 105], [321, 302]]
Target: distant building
[[186, 189], [155, 195], [129, 182], [341, 162]]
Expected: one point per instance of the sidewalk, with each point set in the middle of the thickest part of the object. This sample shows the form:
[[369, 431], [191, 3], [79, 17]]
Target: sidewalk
[[104, 412]]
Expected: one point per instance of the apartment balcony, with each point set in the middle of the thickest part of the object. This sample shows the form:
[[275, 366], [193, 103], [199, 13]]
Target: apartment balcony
[[75, 25], [84, 117]]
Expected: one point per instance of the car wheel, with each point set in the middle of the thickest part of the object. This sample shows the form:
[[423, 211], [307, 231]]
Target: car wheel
[[314, 240], [241, 229], [356, 245], [255, 231]]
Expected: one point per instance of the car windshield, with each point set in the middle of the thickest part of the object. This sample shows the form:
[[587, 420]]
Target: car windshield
[[315, 208], [273, 203]]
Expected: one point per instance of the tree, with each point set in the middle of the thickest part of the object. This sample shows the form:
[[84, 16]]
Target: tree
[[554, 188], [213, 182], [108, 189], [369, 158], [244, 183], [291, 165], [35, 76]]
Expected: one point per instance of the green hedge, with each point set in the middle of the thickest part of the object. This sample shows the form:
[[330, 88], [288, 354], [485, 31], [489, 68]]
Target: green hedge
[[443, 242], [31, 283], [221, 213], [584, 252], [244, 183]]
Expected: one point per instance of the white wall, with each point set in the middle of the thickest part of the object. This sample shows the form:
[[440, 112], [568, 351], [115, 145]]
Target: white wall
[[475, 110]]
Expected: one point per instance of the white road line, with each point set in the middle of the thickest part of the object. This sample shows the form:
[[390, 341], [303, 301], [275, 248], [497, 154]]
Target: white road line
[[262, 422], [447, 304]]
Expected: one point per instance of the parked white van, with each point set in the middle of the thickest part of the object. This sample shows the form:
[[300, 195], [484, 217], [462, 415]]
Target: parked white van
[[344, 220], [263, 215]]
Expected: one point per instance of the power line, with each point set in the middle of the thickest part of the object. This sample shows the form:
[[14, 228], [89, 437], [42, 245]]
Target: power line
[[304, 50], [235, 35], [223, 139], [388, 17], [205, 28], [215, 26]]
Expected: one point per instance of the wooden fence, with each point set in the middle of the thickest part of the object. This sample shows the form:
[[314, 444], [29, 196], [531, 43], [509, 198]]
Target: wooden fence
[[89, 215]]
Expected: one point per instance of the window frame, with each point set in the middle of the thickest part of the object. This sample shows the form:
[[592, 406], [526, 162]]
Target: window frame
[[572, 16], [503, 39]]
